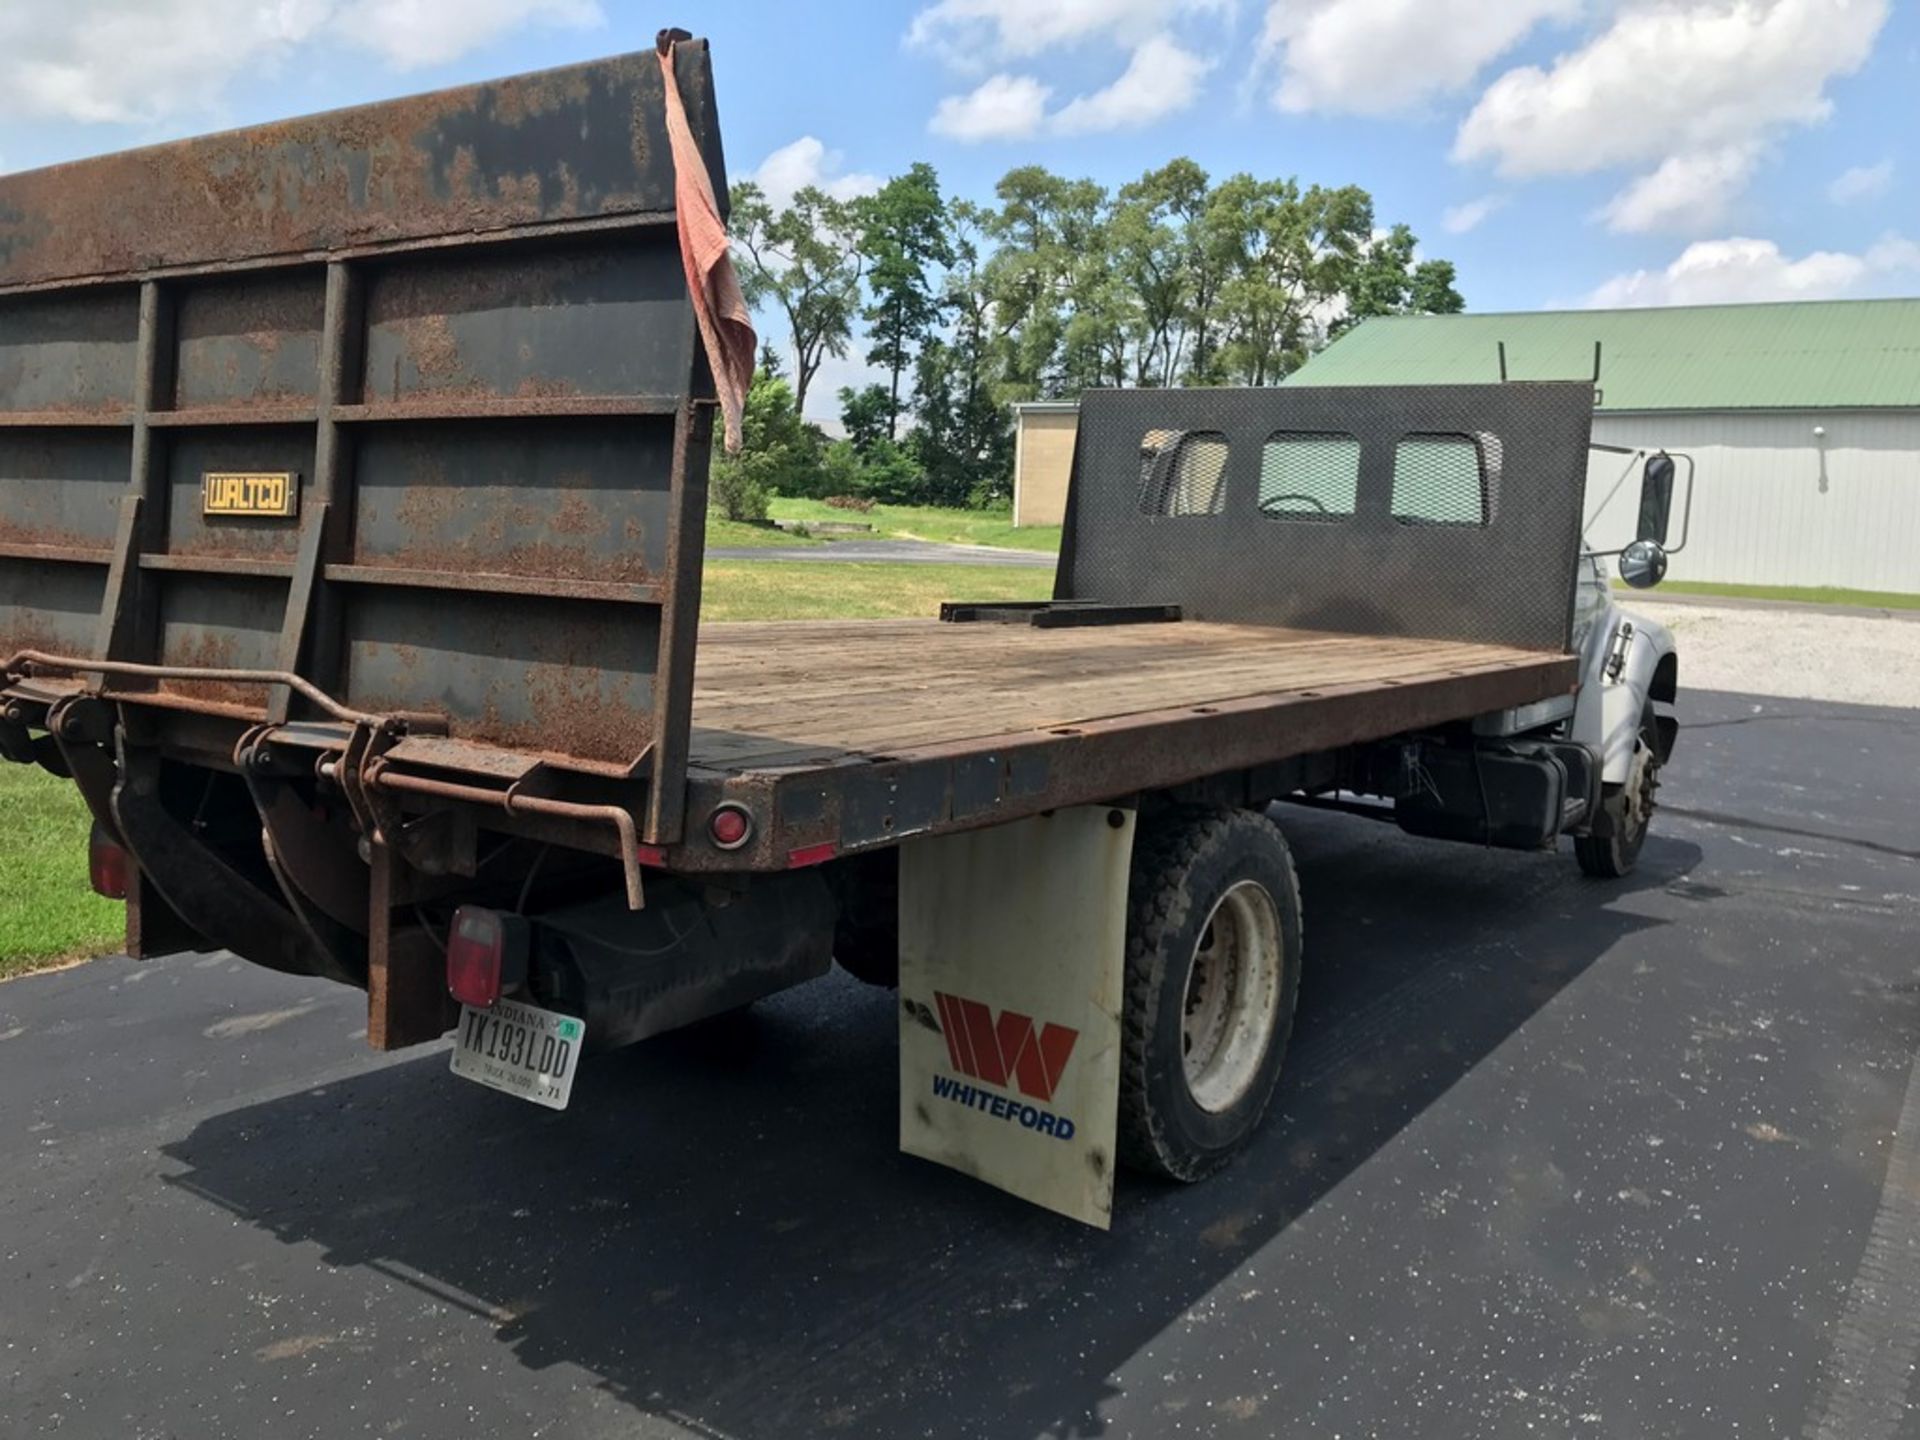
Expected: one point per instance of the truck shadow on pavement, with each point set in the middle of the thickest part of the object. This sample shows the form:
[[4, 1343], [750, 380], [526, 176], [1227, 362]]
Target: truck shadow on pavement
[[721, 1230]]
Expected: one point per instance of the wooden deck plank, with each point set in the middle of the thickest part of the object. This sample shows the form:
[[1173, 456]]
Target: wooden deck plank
[[1221, 676], [1065, 701], [772, 694]]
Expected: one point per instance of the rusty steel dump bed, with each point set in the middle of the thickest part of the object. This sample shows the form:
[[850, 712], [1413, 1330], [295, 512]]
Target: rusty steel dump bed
[[352, 501], [404, 401]]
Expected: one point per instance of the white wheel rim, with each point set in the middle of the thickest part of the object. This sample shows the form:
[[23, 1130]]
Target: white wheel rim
[[1232, 996], [1643, 779]]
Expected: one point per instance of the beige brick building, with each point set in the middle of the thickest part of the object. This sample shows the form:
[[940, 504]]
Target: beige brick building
[[1042, 460]]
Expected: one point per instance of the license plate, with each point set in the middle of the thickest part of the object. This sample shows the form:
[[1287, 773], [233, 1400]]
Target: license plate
[[521, 1049]]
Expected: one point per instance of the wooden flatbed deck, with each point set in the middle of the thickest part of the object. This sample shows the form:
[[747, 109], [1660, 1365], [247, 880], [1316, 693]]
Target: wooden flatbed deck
[[783, 693], [849, 735]]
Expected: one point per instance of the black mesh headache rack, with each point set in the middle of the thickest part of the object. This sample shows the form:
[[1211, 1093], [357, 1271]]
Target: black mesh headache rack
[[354, 468]]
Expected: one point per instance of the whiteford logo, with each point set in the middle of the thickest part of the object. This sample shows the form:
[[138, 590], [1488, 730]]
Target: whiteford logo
[[1006, 1052]]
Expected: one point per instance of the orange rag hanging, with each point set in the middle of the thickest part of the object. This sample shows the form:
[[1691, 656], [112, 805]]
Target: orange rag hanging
[[726, 326]]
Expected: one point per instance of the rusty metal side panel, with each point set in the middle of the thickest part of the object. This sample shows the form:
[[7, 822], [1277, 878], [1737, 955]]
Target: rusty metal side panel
[[577, 143], [595, 317], [73, 354], [49, 606], [583, 501], [219, 622], [548, 676], [60, 488], [250, 340], [193, 452]]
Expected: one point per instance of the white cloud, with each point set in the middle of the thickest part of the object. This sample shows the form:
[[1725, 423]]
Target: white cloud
[[1894, 255], [1459, 219], [1689, 192], [411, 33], [965, 31], [123, 61], [1004, 107], [1862, 182], [1160, 80], [1669, 78], [1737, 270], [805, 162], [142, 62], [1373, 57]]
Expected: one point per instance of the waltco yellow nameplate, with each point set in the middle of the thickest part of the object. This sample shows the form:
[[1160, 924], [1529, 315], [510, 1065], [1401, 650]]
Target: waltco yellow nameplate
[[250, 493]]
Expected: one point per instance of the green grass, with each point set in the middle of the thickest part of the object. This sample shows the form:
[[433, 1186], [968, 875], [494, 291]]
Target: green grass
[[930, 522], [811, 590], [1804, 594], [738, 534], [47, 910]]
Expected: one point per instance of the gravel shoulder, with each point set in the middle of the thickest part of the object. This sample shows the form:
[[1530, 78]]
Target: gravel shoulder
[[1800, 654]]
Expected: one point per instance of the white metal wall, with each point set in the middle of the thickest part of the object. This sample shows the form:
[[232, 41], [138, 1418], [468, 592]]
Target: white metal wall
[[1774, 504]]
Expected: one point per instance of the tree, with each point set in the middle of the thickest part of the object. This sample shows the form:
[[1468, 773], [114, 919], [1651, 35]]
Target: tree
[[1056, 287], [1432, 291], [806, 260], [963, 436], [779, 453], [867, 415], [1156, 253], [902, 234], [1050, 248], [1389, 281], [1292, 256]]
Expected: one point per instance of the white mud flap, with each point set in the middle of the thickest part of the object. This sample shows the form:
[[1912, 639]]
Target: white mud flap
[[1012, 944]]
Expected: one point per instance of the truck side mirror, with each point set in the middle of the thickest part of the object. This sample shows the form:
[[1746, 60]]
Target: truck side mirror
[[1656, 499], [1643, 564]]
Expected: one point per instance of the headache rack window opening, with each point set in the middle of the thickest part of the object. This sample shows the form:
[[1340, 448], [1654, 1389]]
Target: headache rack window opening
[[1183, 472], [1309, 475], [1445, 479]]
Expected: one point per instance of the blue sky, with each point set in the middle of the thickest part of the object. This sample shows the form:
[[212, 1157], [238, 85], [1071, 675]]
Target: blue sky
[[1612, 151]]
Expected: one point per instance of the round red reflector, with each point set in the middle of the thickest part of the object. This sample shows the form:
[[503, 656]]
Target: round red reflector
[[730, 827]]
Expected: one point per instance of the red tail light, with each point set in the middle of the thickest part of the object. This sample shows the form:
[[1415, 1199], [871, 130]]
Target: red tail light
[[109, 866], [730, 826], [486, 955]]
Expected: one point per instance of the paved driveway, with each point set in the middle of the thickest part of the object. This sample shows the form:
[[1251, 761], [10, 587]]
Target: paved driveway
[[1550, 1158], [891, 552]]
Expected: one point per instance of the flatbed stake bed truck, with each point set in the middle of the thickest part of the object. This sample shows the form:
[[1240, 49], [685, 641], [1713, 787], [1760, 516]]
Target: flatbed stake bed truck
[[352, 492]]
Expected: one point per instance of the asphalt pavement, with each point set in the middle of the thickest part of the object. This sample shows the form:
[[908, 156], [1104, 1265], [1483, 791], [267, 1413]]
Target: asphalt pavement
[[1551, 1157]]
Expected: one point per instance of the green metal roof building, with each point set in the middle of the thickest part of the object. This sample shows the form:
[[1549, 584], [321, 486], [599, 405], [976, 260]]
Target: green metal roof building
[[1803, 418]]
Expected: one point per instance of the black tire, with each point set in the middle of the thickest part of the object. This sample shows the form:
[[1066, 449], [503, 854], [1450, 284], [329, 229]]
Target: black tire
[[1188, 864], [870, 954], [1626, 811], [866, 938]]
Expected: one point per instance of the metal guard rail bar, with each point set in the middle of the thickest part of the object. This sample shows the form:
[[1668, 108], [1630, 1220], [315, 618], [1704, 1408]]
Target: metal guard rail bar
[[379, 773]]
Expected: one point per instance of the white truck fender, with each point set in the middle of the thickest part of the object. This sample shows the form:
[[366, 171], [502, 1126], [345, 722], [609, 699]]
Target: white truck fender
[[1607, 716]]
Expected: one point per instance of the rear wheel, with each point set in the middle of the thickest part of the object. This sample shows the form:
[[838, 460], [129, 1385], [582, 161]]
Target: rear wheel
[[866, 938], [1212, 973], [1626, 810]]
